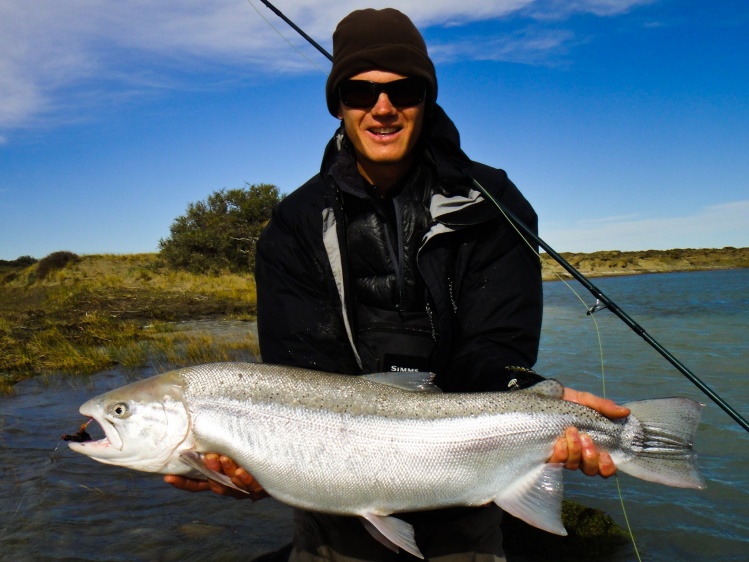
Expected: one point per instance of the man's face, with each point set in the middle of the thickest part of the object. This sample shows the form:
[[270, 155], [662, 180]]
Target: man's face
[[383, 135]]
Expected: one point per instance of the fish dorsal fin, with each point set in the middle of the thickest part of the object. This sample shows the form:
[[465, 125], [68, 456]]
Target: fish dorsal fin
[[416, 381], [536, 498], [551, 388], [195, 460], [392, 532]]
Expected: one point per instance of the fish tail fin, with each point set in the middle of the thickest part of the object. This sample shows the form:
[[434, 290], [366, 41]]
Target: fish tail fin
[[660, 434]]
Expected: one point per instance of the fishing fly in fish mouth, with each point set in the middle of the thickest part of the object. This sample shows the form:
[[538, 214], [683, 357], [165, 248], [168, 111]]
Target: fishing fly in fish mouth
[[81, 435], [392, 260]]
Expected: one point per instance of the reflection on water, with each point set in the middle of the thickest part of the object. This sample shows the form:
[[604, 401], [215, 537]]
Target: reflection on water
[[57, 505]]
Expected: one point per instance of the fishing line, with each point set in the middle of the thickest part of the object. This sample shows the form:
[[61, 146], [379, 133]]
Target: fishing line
[[603, 392], [602, 301], [525, 240], [603, 369], [281, 35]]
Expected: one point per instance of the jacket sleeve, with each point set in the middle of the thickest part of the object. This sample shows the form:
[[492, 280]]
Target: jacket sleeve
[[299, 312], [499, 302]]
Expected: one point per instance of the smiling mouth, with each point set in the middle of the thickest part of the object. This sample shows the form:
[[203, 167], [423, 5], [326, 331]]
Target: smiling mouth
[[383, 131]]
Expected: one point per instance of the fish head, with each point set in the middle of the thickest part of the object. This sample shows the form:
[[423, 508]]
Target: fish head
[[146, 425]]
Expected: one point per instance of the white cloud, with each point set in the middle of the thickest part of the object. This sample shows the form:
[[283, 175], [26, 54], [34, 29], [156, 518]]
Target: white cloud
[[556, 9], [49, 47], [715, 226], [528, 46]]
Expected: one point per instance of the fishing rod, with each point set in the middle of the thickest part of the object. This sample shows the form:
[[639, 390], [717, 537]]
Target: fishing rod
[[602, 301], [297, 29]]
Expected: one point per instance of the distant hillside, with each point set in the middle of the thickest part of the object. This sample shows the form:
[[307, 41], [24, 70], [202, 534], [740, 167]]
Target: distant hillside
[[610, 263]]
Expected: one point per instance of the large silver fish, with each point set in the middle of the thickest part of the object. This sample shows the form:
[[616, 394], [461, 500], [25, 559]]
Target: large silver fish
[[381, 444]]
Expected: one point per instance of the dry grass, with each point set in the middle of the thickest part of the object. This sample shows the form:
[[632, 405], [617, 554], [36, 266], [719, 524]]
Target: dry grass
[[91, 312], [612, 263], [102, 310]]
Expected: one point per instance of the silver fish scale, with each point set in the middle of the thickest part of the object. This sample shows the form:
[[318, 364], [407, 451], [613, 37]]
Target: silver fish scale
[[360, 447]]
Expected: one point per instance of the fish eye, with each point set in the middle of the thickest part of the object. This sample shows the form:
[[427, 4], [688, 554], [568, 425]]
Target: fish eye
[[120, 410]]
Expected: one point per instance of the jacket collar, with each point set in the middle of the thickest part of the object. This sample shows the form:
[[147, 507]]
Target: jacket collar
[[455, 204], [440, 143]]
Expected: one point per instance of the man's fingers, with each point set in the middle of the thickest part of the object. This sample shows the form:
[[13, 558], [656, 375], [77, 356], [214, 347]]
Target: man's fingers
[[560, 451], [578, 451], [574, 448], [213, 462], [589, 455], [187, 484], [222, 465], [606, 466], [604, 406], [244, 480], [228, 466], [612, 410]]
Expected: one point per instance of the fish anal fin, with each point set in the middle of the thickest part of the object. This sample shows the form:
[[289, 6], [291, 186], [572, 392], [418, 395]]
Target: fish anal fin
[[195, 460], [392, 532], [536, 498]]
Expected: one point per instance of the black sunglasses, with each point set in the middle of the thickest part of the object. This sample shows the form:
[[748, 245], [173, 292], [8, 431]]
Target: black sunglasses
[[362, 94]]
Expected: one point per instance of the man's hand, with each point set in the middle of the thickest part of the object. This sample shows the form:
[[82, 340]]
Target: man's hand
[[224, 465], [577, 450]]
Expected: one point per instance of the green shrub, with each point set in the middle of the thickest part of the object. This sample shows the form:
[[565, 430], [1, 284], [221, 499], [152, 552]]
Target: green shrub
[[23, 261], [54, 262], [220, 233]]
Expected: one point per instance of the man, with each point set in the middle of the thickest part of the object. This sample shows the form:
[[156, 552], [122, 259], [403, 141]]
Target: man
[[390, 260]]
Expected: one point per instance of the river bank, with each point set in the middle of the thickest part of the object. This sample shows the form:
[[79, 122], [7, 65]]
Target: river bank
[[615, 263], [85, 314], [82, 314]]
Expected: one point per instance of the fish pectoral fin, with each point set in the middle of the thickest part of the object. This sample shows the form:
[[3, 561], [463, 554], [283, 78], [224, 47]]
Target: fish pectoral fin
[[536, 498], [195, 460], [392, 533]]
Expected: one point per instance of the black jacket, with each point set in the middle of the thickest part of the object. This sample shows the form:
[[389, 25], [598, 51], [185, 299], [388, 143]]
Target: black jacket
[[483, 281], [483, 299]]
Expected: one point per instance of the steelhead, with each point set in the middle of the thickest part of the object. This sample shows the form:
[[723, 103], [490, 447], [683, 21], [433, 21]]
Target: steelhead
[[377, 445]]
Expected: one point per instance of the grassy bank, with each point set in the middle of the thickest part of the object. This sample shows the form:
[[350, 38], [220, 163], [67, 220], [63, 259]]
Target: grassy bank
[[93, 312], [84, 314], [613, 263]]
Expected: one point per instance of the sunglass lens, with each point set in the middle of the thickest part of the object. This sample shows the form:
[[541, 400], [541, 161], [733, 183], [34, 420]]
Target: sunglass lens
[[362, 94], [407, 92], [358, 94]]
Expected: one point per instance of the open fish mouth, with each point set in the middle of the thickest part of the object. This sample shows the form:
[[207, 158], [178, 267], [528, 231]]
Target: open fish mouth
[[81, 442]]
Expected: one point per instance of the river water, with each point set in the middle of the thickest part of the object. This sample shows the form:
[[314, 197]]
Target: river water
[[57, 505]]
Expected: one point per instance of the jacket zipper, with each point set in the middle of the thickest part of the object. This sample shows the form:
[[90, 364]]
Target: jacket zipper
[[399, 259]]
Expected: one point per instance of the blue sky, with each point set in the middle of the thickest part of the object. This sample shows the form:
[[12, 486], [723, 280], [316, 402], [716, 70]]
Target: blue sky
[[624, 122]]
